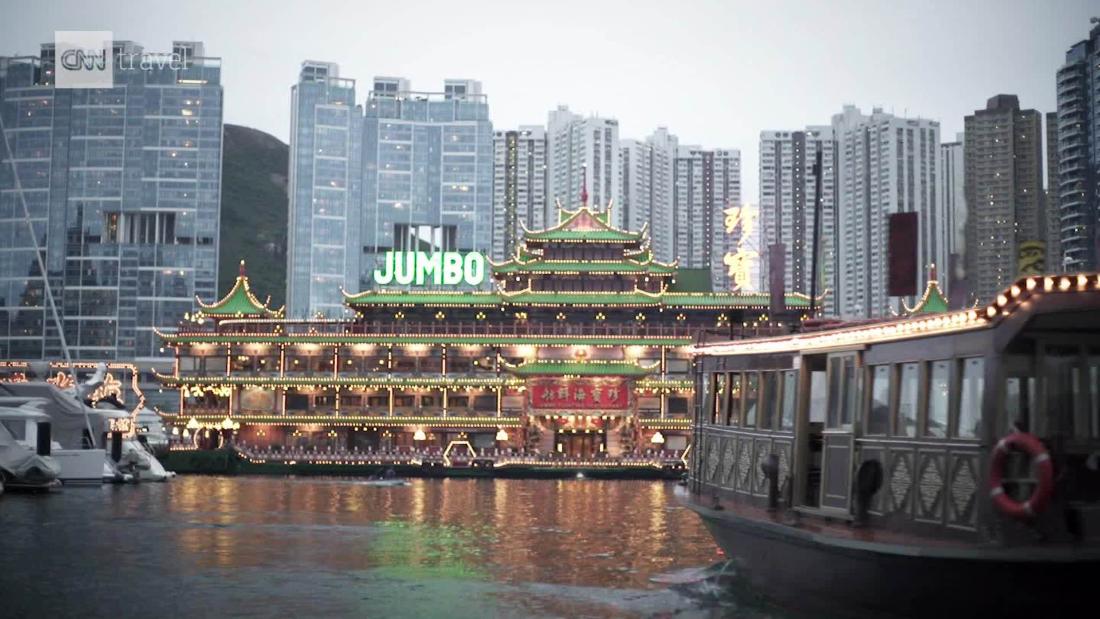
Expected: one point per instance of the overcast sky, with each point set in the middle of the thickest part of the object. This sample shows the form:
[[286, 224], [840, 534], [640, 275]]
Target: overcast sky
[[715, 73]]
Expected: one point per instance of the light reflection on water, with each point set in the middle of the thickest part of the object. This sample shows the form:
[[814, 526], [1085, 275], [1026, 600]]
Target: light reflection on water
[[258, 546]]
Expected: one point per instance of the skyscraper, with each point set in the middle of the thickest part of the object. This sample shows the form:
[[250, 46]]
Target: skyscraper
[[647, 188], [123, 186], [790, 185], [584, 148], [427, 171], [1006, 230], [326, 132], [519, 186], [885, 165], [1079, 154], [953, 198], [1054, 226], [705, 184]]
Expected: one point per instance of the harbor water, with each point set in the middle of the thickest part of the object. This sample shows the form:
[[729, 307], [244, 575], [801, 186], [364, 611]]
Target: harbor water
[[291, 547]]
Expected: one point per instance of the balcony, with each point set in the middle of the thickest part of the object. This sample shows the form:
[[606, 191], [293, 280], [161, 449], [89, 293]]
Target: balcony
[[442, 329]]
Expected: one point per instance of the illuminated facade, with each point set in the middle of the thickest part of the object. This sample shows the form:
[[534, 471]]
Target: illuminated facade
[[582, 349]]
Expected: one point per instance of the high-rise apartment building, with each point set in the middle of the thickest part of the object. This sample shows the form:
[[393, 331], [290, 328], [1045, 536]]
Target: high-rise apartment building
[[1006, 230], [427, 171], [1053, 215], [1079, 154], [797, 174], [885, 165], [326, 132], [519, 186], [705, 184], [123, 188], [584, 150], [953, 198], [647, 188]]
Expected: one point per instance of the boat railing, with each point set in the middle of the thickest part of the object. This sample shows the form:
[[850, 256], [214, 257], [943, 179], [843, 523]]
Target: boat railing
[[497, 457], [407, 328]]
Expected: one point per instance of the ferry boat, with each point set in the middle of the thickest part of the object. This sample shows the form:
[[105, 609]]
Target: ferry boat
[[941, 462]]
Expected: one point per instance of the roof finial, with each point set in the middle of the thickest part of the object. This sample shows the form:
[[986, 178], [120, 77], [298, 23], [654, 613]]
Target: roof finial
[[584, 185], [241, 270], [932, 273]]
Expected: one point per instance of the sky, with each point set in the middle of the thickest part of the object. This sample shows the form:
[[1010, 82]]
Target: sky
[[715, 73]]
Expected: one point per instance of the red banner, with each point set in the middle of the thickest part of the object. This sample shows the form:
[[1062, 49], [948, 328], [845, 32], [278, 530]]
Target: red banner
[[579, 394]]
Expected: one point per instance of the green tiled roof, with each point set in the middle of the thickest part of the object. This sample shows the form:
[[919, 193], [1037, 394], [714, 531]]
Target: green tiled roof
[[483, 340], [932, 302], [622, 266], [238, 302], [579, 368], [583, 235], [582, 298], [426, 298], [666, 383], [583, 224], [692, 280], [728, 299], [713, 300]]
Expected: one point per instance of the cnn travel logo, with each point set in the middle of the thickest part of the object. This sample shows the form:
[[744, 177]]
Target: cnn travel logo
[[87, 59], [83, 59]]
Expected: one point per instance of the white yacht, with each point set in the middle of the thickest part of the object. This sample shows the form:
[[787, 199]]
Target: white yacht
[[25, 460], [77, 428]]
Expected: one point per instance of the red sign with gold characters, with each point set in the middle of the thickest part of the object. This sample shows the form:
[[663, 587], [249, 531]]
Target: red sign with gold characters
[[578, 394]]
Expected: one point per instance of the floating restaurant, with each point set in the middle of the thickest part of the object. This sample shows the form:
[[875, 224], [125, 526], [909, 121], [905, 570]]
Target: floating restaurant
[[581, 350]]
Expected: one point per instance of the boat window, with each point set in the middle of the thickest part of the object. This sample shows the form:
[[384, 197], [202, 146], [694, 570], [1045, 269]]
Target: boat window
[[769, 383], [853, 386], [1063, 386], [1094, 396], [970, 398], [878, 417], [752, 398], [836, 387], [818, 396], [939, 391], [733, 416], [790, 398], [1019, 402], [908, 400], [718, 407]]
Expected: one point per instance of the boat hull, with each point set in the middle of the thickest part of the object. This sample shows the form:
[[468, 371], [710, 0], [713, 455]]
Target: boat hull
[[810, 572], [80, 466]]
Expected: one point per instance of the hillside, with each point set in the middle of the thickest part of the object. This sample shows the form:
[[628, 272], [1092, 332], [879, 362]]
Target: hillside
[[254, 211]]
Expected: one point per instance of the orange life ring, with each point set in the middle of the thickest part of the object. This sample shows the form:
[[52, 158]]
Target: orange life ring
[[1040, 457]]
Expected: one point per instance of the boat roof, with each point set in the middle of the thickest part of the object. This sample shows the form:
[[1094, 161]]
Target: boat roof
[[23, 412], [1021, 295]]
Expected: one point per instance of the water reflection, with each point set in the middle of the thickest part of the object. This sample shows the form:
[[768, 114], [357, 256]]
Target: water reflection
[[274, 546]]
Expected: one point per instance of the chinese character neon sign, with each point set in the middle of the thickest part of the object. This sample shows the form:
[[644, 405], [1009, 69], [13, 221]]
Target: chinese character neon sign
[[741, 222]]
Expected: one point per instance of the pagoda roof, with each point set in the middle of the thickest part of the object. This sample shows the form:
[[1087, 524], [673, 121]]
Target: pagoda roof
[[635, 298], [239, 302], [554, 367], [427, 298], [933, 301], [648, 267], [583, 225]]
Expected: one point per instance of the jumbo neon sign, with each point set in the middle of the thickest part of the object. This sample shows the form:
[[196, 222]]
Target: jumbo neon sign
[[418, 268]]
